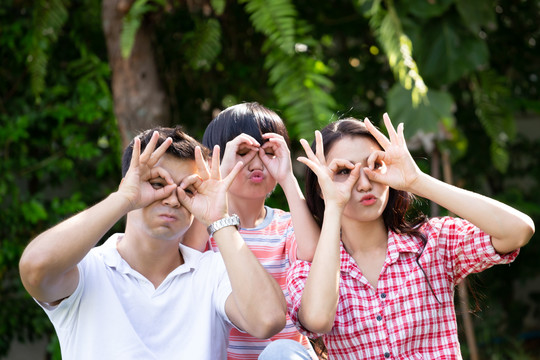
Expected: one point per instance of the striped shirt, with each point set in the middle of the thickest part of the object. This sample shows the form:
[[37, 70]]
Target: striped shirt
[[403, 318], [274, 244]]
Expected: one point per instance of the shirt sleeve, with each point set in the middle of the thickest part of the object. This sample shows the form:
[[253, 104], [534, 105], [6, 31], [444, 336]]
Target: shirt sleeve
[[223, 288], [468, 248], [63, 314], [296, 281]]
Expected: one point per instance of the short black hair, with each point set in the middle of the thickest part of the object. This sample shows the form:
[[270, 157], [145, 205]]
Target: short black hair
[[249, 118], [182, 147]]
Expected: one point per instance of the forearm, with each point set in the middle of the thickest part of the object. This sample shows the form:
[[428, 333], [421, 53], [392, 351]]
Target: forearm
[[508, 227], [305, 228], [321, 293], [257, 295], [49, 258]]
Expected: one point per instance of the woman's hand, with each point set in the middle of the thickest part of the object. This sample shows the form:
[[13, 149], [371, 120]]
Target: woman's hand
[[394, 165], [338, 192]]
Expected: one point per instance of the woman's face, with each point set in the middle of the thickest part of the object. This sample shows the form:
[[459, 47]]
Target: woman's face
[[368, 198]]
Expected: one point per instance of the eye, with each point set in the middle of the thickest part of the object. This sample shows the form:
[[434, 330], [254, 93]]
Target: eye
[[190, 191], [378, 165], [157, 184], [242, 152], [269, 153], [343, 171]]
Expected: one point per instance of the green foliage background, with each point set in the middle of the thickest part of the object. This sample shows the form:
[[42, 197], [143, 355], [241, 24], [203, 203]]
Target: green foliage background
[[457, 72]]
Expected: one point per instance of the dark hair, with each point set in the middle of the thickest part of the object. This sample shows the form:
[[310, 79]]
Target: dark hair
[[395, 215], [182, 147], [249, 118]]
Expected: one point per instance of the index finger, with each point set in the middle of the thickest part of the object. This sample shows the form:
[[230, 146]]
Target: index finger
[[390, 128], [379, 136], [202, 167], [230, 177], [215, 172], [158, 153], [136, 153]]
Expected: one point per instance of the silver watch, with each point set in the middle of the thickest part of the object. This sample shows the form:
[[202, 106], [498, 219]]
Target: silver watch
[[232, 220]]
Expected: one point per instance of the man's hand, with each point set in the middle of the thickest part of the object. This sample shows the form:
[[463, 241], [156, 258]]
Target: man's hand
[[208, 199], [137, 185]]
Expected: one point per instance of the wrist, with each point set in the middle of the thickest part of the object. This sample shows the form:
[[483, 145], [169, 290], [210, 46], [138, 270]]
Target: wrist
[[289, 184], [226, 221], [122, 201]]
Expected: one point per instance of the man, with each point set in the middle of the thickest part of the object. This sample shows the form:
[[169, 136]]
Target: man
[[142, 294]]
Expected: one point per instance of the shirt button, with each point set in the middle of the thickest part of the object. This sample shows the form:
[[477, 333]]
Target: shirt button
[[383, 295], [379, 317], [387, 355]]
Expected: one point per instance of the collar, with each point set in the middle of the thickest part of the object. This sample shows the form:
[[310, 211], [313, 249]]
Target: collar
[[111, 257], [397, 244]]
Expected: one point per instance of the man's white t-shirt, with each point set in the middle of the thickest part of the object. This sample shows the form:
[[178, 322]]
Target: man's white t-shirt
[[116, 313]]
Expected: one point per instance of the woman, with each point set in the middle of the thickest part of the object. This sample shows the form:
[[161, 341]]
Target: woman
[[380, 285]]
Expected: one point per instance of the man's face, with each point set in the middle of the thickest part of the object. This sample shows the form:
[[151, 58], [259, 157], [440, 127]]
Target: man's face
[[166, 219]]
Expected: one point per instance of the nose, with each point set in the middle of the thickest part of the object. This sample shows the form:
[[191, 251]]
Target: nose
[[172, 200], [255, 163], [363, 184]]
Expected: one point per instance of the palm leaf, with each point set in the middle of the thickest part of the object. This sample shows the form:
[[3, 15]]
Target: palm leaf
[[299, 80], [491, 95], [132, 22], [204, 44], [49, 18]]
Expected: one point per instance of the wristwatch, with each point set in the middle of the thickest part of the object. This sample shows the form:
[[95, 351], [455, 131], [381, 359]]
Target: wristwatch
[[232, 220]]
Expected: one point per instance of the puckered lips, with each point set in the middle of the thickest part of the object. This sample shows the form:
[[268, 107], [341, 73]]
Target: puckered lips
[[368, 199], [256, 176]]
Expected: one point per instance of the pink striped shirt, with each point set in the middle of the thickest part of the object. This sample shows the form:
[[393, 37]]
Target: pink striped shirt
[[274, 244], [402, 318]]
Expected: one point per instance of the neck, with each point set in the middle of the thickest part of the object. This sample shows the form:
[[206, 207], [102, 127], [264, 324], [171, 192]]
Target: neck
[[250, 211], [152, 258], [364, 237]]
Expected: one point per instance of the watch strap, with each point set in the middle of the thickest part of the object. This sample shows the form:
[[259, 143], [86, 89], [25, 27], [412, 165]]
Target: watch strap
[[232, 220]]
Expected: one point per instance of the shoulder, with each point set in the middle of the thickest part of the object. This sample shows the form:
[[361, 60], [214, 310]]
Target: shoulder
[[447, 225]]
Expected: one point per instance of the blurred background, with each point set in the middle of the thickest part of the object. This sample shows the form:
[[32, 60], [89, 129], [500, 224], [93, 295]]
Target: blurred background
[[80, 78]]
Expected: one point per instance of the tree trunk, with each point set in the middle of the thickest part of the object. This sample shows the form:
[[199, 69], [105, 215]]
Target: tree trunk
[[462, 287], [139, 99]]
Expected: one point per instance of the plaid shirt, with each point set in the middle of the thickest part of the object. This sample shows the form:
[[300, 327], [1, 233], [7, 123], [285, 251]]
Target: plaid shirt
[[402, 318]]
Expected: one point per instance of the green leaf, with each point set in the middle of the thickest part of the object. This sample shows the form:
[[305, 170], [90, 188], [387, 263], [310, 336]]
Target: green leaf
[[425, 9], [33, 211], [446, 53], [132, 21], [477, 14], [204, 44], [49, 16], [275, 19], [426, 117], [492, 97], [218, 6]]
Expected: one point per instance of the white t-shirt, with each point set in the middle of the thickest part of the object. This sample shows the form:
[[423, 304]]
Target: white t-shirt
[[116, 313]]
